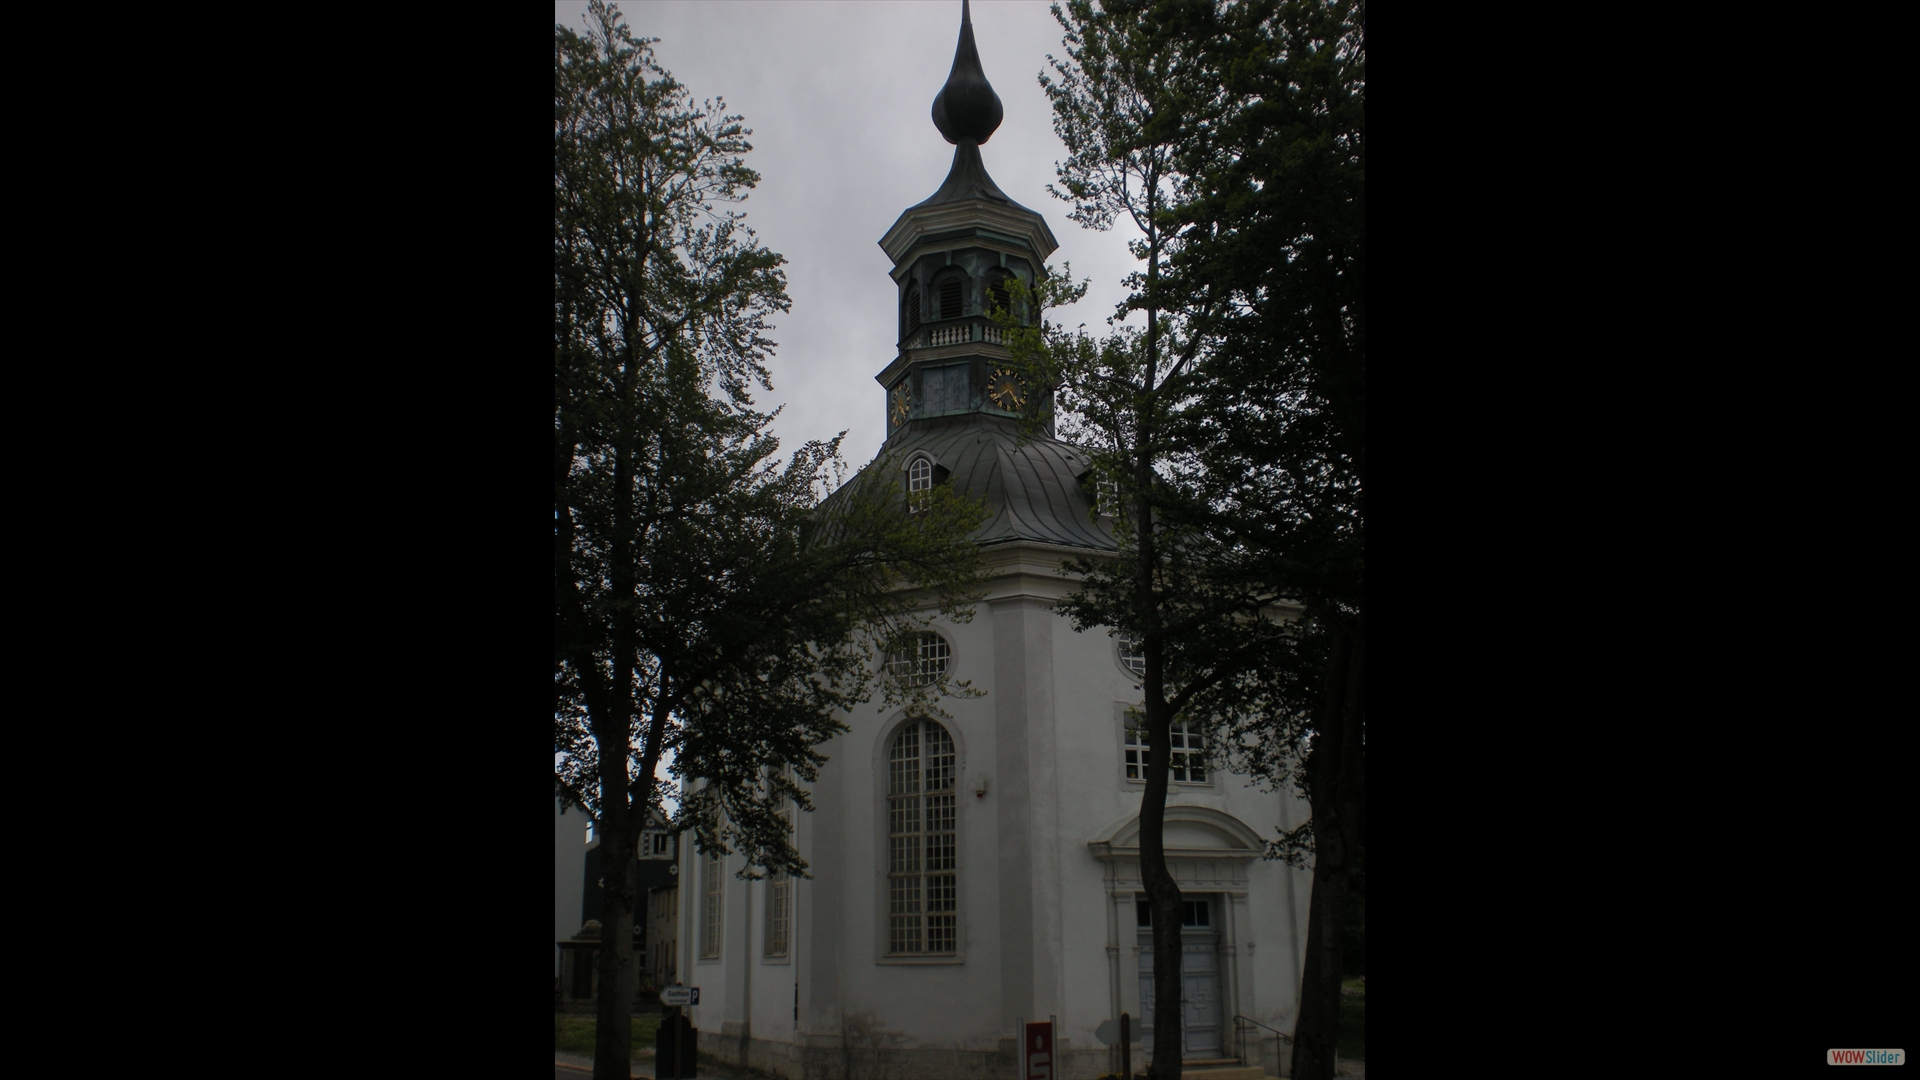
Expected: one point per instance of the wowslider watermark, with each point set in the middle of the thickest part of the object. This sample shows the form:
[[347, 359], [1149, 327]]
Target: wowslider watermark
[[1866, 1057]]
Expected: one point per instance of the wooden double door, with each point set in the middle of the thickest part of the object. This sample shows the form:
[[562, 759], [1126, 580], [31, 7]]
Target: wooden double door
[[1200, 1003]]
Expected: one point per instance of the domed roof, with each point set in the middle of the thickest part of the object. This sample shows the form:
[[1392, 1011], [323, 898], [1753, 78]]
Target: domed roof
[[1032, 489]]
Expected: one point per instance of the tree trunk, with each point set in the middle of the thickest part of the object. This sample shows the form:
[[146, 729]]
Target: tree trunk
[[1163, 893], [613, 1033], [1163, 898], [1338, 799]]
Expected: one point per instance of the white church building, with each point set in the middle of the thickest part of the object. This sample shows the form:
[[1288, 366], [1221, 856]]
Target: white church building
[[980, 871]]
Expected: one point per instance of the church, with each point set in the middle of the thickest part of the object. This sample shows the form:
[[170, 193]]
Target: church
[[977, 872]]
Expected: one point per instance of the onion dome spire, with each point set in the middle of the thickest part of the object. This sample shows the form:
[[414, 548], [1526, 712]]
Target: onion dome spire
[[967, 109]]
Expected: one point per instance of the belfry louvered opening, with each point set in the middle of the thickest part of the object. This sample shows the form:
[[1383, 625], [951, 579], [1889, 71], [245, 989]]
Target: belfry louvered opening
[[999, 294]]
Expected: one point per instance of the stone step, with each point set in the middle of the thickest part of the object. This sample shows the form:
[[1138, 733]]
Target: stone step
[[1235, 1071]]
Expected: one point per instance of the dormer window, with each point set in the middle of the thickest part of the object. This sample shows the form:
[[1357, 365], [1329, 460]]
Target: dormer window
[[919, 484]]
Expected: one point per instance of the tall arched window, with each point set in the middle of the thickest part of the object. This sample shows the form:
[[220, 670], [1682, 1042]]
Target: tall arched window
[[710, 925], [922, 890], [779, 902]]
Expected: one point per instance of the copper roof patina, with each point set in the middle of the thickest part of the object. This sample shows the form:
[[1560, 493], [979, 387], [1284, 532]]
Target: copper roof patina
[[1031, 488]]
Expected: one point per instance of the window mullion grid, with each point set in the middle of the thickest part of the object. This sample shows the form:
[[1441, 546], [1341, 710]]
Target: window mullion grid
[[922, 865], [941, 885], [903, 842]]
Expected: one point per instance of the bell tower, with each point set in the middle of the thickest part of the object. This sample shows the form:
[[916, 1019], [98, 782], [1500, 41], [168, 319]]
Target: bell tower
[[952, 257]]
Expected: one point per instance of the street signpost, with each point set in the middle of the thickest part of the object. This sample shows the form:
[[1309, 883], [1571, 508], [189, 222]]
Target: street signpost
[[675, 998], [1037, 1059]]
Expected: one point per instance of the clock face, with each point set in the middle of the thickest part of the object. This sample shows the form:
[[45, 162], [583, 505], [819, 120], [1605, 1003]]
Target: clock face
[[1005, 390], [902, 402]]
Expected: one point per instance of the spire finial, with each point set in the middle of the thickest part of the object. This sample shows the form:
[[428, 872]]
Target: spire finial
[[967, 108]]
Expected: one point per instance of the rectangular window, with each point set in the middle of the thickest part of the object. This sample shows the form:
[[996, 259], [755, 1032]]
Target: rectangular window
[[1194, 914], [943, 389], [710, 910], [1189, 752]]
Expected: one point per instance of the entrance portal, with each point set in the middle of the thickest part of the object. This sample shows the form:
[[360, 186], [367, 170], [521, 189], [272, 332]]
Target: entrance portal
[[1199, 977]]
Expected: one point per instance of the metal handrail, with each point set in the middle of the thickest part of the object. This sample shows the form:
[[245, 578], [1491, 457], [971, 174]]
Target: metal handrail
[[1240, 1033]]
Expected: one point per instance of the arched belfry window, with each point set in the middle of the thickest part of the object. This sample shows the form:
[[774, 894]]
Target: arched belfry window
[[922, 886], [913, 309], [999, 293]]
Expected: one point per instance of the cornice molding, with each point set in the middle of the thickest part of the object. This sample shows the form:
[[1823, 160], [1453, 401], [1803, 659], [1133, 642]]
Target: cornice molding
[[905, 235]]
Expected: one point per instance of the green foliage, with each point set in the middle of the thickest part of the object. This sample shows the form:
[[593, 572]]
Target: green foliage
[[703, 603], [1273, 207], [705, 607], [1232, 421], [1215, 630]]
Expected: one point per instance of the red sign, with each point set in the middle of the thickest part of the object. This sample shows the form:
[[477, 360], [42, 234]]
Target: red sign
[[1037, 1052]]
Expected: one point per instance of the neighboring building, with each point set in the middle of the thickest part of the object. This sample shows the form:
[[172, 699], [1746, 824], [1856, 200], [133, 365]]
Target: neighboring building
[[653, 869], [569, 865], [663, 938], [976, 872]]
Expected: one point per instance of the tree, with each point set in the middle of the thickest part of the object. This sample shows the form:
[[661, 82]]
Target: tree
[[1205, 634], [1272, 218], [707, 606], [1233, 135]]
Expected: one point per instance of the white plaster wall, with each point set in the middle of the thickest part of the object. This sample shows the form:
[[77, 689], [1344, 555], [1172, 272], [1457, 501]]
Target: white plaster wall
[[1034, 913], [1271, 923], [938, 1002]]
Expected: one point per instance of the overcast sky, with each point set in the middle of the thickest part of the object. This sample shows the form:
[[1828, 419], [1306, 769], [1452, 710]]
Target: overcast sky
[[839, 97]]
